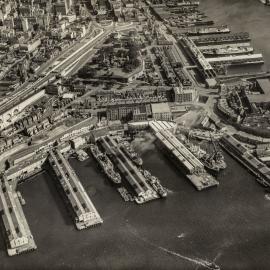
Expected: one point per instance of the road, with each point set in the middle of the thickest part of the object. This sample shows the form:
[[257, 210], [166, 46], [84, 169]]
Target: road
[[64, 64]]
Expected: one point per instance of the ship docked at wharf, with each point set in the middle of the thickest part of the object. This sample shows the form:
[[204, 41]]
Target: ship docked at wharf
[[144, 186], [209, 30], [241, 153], [214, 161], [229, 50], [129, 151], [155, 183], [205, 135], [186, 160], [105, 164]]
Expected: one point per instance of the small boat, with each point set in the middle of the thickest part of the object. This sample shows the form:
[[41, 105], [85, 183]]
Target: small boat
[[212, 265], [262, 182]]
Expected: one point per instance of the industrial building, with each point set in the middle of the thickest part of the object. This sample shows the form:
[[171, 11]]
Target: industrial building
[[161, 111]]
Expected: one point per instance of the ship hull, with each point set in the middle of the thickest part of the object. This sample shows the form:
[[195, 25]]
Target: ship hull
[[217, 54], [106, 171]]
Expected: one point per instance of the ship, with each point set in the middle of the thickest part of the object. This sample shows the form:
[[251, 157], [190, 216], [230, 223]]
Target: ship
[[125, 194], [261, 181], [155, 183], [214, 161], [212, 265], [105, 164], [182, 3], [129, 151], [205, 135], [210, 30], [195, 149], [81, 155], [229, 50]]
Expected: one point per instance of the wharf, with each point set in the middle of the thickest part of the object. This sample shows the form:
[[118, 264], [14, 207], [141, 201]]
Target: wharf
[[248, 160], [18, 235], [137, 181], [197, 56], [85, 213], [192, 167]]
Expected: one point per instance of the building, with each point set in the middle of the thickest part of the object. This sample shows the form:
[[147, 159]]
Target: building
[[140, 114], [127, 112], [77, 142], [54, 89], [184, 94], [161, 111]]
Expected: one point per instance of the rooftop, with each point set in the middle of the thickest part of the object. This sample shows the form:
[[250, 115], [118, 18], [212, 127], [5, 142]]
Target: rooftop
[[160, 108]]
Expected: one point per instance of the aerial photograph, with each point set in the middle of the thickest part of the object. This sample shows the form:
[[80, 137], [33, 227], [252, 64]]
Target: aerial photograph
[[134, 134]]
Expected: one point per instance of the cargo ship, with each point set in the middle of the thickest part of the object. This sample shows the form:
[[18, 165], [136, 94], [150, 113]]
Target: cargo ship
[[214, 160], [210, 30], [228, 51], [105, 164], [214, 163], [205, 135], [129, 151], [155, 183], [196, 150], [187, 162]]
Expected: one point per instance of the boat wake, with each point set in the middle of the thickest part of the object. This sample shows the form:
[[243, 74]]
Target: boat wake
[[182, 235], [197, 261]]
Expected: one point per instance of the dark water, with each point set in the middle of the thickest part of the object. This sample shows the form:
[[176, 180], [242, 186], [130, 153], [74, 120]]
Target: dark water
[[228, 224]]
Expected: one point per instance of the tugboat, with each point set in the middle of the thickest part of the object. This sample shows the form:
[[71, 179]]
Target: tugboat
[[129, 151], [105, 164], [212, 265]]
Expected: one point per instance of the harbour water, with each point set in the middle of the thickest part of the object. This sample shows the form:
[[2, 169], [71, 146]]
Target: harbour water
[[228, 224]]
